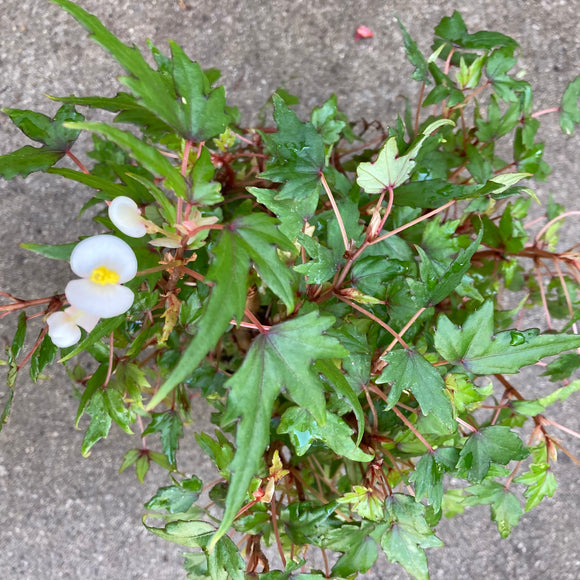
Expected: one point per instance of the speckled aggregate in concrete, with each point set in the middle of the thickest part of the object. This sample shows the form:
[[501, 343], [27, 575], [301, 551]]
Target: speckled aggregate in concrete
[[63, 516]]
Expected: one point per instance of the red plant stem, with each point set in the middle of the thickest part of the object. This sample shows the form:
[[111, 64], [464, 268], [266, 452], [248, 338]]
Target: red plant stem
[[326, 566], [566, 293], [404, 329], [349, 263], [249, 325], [412, 429], [255, 321], [545, 228], [466, 425], [545, 112], [448, 61], [33, 349], [243, 138], [545, 421], [413, 222], [476, 91], [206, 227], [20, 304], [185, 158], [196, 276], [275, 527], [373, 410], [111, 356], [335, 209], [543, 295], [410, 425], [78, 162], [565, 451], [375, 318], [389, 208]]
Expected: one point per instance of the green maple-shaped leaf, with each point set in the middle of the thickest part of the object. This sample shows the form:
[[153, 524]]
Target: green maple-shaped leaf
[[437, 281], [474, 347], [328, 121], [391, 169], [280, 358], [323, 265], [202, 109], [428, 480], [297, 154], [415, 56], [452, 28], [497, 444], [408, 536], [178, 94], [55, 138], [407, 369], [505, 506], [334, 433], [291, 213], [569, 110], [562, 367], [176, 498], [247, 239], [100, 424], [169, 426]]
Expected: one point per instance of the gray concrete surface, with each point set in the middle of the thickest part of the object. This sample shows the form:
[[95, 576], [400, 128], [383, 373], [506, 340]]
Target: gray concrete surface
[[62, 516]]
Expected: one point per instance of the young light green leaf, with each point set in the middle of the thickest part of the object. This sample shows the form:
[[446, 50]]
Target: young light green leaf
[[392, 169], [326, 121], [540, 480], [407, 369], [279, 358], [474, 347]]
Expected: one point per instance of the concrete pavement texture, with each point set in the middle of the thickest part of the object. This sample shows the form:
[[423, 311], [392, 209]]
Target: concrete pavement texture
[[63, 516]]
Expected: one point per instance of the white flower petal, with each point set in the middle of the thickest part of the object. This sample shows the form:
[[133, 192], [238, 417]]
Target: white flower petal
[[106, 300], [82, 318], [126, 216], [104, 251], [62, 330]]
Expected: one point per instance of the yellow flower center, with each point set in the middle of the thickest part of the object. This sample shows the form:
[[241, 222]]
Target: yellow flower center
[[103, 275]]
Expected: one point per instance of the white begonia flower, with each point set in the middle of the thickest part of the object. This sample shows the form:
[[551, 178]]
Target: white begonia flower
[[126, 216], [103, 264], [63, 327]]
